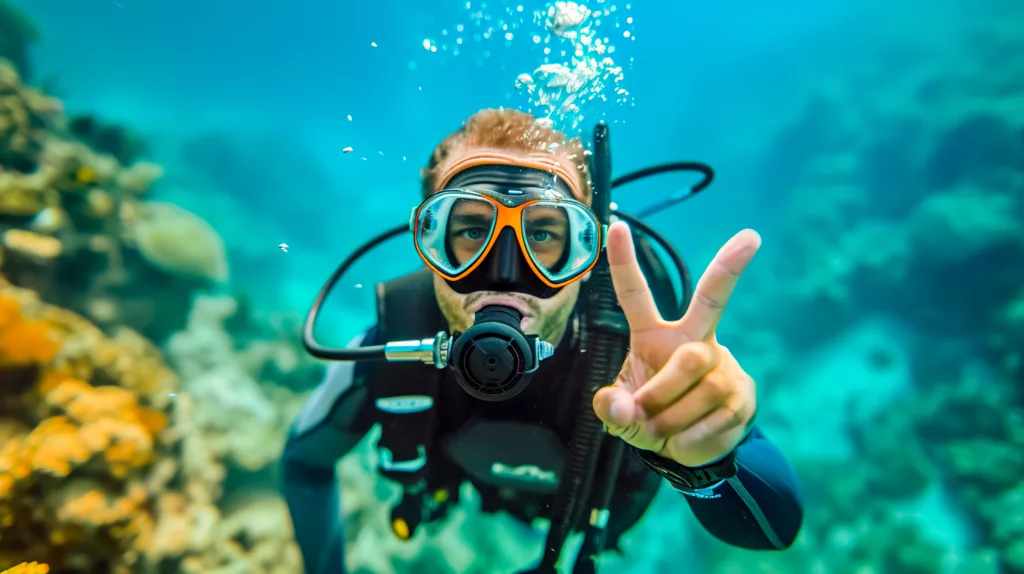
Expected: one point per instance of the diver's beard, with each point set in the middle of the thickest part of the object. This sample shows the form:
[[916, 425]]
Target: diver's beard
[[554, 326], [472, 298]]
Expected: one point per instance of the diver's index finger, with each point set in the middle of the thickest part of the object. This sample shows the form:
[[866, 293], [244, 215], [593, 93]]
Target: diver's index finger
[[631, 288]]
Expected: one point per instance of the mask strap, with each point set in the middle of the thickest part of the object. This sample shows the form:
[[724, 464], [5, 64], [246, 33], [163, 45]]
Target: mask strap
[[510, 177], [560, 167]]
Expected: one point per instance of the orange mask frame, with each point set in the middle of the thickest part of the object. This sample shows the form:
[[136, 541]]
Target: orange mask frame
[[508, 213]]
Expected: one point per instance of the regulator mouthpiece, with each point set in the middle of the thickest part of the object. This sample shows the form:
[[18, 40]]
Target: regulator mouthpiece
[[494, 360]]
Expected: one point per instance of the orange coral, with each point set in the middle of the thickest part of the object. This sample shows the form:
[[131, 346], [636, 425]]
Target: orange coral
[[54, 447], [23, 342], [80, 468]]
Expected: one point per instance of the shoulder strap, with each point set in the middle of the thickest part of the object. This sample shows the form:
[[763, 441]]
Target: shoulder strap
[[404, 393], [407, 307]]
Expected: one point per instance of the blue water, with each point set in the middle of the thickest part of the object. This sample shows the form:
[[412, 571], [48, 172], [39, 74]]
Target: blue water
[[857, 318], [275, 82]]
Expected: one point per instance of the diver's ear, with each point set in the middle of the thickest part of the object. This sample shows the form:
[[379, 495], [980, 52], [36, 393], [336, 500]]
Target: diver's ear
[[586, 277]]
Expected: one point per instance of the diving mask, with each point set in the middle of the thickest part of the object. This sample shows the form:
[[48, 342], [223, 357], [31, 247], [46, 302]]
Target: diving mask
[[523, 238]]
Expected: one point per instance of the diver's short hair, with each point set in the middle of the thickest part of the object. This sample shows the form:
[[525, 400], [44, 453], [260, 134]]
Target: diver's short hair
[[510, 130]]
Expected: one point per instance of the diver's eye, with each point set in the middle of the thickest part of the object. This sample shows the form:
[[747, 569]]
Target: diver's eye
[[540, 236], [472, 233]]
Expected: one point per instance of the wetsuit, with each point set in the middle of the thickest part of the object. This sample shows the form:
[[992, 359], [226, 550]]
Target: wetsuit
[[760, 508]]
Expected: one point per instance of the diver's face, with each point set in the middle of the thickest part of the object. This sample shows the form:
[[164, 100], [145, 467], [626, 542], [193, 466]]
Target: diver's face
[[546, 318]]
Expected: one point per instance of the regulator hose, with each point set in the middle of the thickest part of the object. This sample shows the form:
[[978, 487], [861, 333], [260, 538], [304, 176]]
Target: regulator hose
[[604, 341]]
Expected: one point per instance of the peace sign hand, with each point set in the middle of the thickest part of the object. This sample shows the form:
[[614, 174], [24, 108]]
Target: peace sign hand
[[680, 394]]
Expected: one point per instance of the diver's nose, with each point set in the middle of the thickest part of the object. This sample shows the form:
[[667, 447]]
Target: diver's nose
[[506, 265]]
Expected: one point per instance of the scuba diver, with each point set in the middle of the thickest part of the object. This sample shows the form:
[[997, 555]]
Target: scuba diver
[[567, 378]]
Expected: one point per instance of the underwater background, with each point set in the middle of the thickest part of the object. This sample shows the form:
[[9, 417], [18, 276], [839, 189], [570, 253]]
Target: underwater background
[[176, 183]]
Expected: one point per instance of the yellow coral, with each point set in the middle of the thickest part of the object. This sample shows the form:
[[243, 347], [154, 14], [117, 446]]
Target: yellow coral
[[30, 244], [87, 175], [28, 568], [19, 196], [88, 504], [98, 204]]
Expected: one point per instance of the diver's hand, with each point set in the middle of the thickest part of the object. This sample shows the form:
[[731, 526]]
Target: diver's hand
[[680, 394]]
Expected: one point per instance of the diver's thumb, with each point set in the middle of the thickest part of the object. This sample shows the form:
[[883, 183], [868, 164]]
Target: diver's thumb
[[615, 407]]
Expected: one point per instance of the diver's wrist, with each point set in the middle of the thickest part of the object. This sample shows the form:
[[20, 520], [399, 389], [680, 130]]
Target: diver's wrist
[[690, 478]]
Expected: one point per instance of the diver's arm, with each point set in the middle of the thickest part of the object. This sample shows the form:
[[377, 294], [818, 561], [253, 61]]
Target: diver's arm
[[332, 421], [760, 508]]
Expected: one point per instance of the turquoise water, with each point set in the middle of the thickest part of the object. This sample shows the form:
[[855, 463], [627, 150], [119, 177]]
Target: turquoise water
[[878, 150]]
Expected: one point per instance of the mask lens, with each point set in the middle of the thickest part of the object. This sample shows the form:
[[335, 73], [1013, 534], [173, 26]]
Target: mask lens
[[453, 229], [561, 238]]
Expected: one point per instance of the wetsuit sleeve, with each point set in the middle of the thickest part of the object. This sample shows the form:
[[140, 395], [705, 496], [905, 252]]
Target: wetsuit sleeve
[[331, 422], [761, 508]]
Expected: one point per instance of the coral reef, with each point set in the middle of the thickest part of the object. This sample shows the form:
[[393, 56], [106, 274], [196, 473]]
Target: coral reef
[[117, 140], [245, 417], [104, 460], [85, 441], [77, 229], [110, 461]]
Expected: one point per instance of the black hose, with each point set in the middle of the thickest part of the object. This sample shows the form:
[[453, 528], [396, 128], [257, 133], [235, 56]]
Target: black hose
[[704, 169], [597, 534], [604, 340], [677, 197], [685, 280], [375, 352]]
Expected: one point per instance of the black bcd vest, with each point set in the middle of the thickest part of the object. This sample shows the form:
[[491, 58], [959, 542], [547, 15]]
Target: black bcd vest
[[434, 436]]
